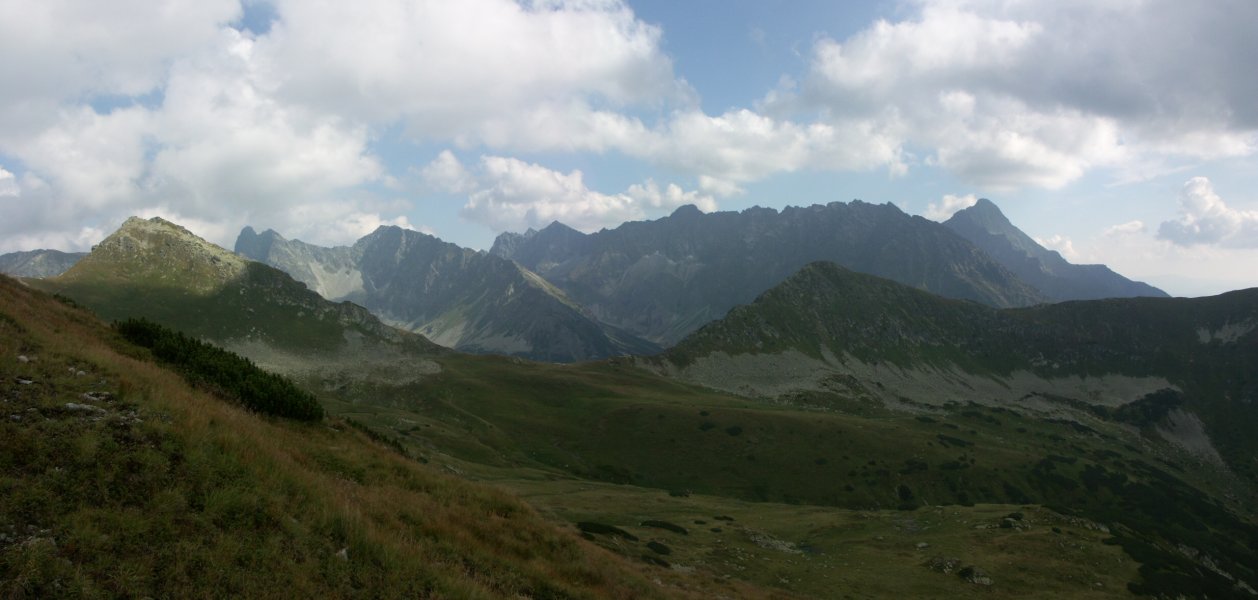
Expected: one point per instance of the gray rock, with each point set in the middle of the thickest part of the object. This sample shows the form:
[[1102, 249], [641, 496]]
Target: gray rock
[[71, 406], [943, 565]]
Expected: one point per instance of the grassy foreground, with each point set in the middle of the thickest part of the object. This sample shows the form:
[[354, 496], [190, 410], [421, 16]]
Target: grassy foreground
[[117, 479]]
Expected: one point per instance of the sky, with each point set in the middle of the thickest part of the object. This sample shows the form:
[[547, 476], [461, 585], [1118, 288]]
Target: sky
[[1121, 132]]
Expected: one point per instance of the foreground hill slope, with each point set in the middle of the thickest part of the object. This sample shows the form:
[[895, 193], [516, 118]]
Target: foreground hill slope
[[161, 271], [118, 480], [986, 227], [663, 279], [38, 263], [457, 297]]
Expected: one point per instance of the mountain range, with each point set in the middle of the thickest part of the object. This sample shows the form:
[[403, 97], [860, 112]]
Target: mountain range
[[663, 279], [460, 298], [38, 263]]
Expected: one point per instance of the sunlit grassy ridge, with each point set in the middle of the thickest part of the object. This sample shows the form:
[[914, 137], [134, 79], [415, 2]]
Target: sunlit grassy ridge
[[116, 479]]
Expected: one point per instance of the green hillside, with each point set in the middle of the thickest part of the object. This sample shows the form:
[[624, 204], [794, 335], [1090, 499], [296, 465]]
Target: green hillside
[[118, 480]]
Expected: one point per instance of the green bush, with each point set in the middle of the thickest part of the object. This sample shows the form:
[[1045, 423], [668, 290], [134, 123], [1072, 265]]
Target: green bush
[[221, 372]]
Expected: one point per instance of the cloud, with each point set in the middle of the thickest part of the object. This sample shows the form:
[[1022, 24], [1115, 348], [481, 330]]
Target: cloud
[[741, 146], [8, 184], [124, 107], [672, 196], [948, 206], [512, 195], [64, 50], [1128, 228], [1016, 94], [1063, 245], [448, 68], [446, 174], [1205, 219]]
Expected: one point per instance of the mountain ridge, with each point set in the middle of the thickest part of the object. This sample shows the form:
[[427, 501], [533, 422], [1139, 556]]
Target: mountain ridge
[[662, 279], [987, 227], [827, 329], [38, 263], [460, 298]]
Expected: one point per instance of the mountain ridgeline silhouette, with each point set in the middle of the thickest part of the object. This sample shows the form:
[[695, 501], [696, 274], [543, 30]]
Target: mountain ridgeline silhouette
[[457, 297], [663, 279]]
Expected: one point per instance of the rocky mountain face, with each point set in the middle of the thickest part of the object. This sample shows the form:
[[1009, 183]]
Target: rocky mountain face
[[457, 297], [986, 227], [1181, 367], [160, 271], [663, 279], [38, 263]]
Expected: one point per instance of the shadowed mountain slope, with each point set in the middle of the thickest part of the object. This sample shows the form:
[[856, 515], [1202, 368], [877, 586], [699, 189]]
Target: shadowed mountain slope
[[986, 227], [891, 341], [38, 263], [663, 279], [457, 297]]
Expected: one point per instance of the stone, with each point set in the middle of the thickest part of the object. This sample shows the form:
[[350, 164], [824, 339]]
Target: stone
[[71, 406], [974, 575], [943, 565], [22, 358]]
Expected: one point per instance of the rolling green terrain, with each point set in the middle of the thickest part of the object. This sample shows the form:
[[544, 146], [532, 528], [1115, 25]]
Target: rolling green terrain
[[945, 449]]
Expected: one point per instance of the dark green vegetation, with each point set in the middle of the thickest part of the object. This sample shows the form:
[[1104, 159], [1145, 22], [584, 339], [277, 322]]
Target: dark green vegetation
[[986, 227], [221, 372], [615, 424], [1206, 346], [663, 279], [468, 300], [118, 480]]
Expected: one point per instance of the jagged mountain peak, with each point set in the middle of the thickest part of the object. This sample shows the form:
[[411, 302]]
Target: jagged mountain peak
[[985, 226], [686, 210]]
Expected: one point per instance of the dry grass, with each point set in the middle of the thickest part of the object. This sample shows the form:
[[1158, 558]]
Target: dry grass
[[168, 492]]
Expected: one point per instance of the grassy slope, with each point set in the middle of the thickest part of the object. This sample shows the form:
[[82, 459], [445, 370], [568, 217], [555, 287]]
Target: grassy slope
[[608, 442], [167, 492]]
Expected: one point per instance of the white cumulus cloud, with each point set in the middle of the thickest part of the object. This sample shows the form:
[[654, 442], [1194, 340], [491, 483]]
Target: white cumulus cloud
[[1128, 228], [1062, 244], [1016, 94], [8, 184], [948, 206], [1205, 219], [509, 194]]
